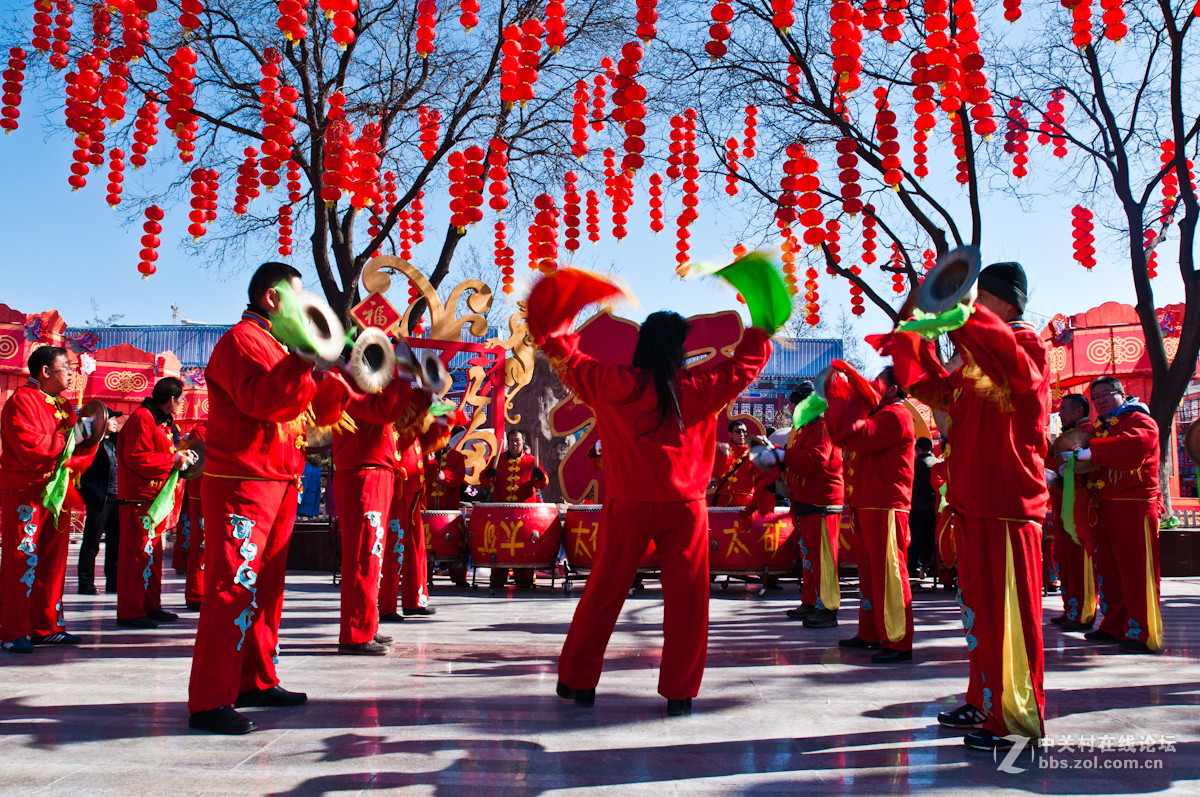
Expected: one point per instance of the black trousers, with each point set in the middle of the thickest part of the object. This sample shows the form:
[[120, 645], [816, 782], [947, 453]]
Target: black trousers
[[102, 519], [922, 528]]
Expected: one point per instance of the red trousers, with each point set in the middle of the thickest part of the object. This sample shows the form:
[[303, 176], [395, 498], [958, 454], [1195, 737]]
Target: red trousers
[[679, 529], [1076, 576], [1127, 568], [193, 591], [183, 539], [33, 564], [1000, 587], [139, 563], [363, 498], [819, 560], [885, 612], [245, 558], [405, 571]]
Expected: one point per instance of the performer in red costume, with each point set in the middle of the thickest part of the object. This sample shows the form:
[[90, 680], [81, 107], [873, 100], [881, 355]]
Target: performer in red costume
[[34, 426], [405, 569], [734, 476], [998, 401], [1125, 502], [364, 477], [259, 399], [445, 473], [515, 479], [657, 427], [1074, 559], [193, 590], [879, 478], [813, 470], [146, 456]]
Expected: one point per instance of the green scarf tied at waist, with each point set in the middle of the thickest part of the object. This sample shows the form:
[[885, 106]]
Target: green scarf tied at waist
[[942, 502], [930, 325], [1068, 500], [60, 479], [164, 502]]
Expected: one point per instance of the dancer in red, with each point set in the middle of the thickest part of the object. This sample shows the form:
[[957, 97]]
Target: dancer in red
[[657, 427], [879, 481], [34, 426], [813, 469], [445, 473], [1073, 557], [734, 476], [997, 401], [146, 456], [1125, 504], [364, 476], [516, 479], [259, 399], [193, 590]]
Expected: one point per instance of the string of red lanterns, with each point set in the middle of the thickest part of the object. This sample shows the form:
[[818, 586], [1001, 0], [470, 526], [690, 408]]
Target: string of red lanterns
[[247, 181], [1115, 29], [598, 93], [429, 121], [556, 26], [418, 219], [847, 161], [656, 203], [180, 120], [426, 27], [189, 11], [468, 14], [893, 19], [150, 241], [1150, 246], [1051, 128], [284, 220], [545, 233], [116, 176], [731, 166], [292, 18], [579, 120], [629, 110], [571, 208], [364, 185], [504, 259], [647, 19], [782, 16], [719, 32], [14, 78], [785, 211], [498, 174], [885, 133], [896, 263], [593, 216], [145, 132], [691, 191], [925, 107], [1081, 232], [750, 133], [846, 44], [61, 45]]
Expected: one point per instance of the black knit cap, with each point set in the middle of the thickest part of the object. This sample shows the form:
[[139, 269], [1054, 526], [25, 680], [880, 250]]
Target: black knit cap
[[802, 391], [1006, 281]]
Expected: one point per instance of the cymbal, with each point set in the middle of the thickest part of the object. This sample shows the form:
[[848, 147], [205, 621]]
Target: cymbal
[[1069, 441]]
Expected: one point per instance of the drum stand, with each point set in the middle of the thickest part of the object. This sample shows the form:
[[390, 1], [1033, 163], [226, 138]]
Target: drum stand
[[746, 576], [492, 567]]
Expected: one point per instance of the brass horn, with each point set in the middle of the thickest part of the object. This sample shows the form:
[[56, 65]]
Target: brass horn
[[427, 368], [952, 280], [372, 360], [324, 327]]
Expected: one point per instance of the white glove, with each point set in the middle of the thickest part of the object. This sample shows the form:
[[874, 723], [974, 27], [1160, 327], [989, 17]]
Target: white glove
[[1050, 475], [1062, 469], [1083, 454], [308, 356]]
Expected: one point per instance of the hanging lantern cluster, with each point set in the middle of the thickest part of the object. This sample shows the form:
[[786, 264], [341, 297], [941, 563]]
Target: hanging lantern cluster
[[869, 234], [418, 219], [457, 160], [528, 60], [691, 191], [430, 124], [593, 216], [928, 259], [941, 58], [812, 308], [793, 81], [787, 247], [278, 110], [782, 14], [62, 35], [571, 209], [610, 172], [656, 203], [833, 241], [145, 132], [150, 241], [404, 233], [579, 121], [116, 176], [885, 132], [135, 26], [893, 19], [630, 110], [510, 65], [204, 202], [1115, 29], [750, 133], [284, 220], [647, 19], [1081, 21], [676, 147], [622, 202], [1170, 182], [472, 199], [247, 182], [293, 181], [848, 176], [872, 15], [82, 118], [1051, 128], [544, 233], [847, 44], [504, 259], [498, 174], [719, 32], [42, 32], [180, 120], [292, 18], [338, 160], [598, 94], [14, 78], [1081, 232], [1150, 246], [115, 86], [1016, 138], [959, 140], [556, 26], [731, 166], [1012, 10], [189, 11], [426, 27], [785, 212], [896, 266], [468, 14], [975, 81], [925, 107], [810, 201], [364, 179]]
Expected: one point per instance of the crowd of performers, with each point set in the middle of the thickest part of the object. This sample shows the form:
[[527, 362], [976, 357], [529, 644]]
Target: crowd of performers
[[851, 458]]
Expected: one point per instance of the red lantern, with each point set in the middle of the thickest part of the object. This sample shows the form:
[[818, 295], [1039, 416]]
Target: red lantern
[[785, 212], [656, 203], [846, 44], [418, 218], [782, 16], [468, 14], [498, 174], [293, 15], [338, 160], [510, 65], [628, 98], [430, 123], [869, 234], [150, 241], [42, 32], [622, 202], [885, 132], [1084, 242], [896, 267], [893, 19], [1051, 128], [364, 178], [293, 182], [719, 32], [116, 176], [544, 233], [531, 43], [929, 259], [1115, 28], [731, 166], [180, 120], [598, 91], [793, 80], [848, 163], [556, 26], [115, 87], [426, 25], [750, 138], [189, 18], [247, 181], [675, 156], [1151, 239], [62, 35], [145, 132], [809, 201], [284, 219], [593, 216], [579, 120], [199, 212], [14, 77], [1012, 10], [788, 248], [504, 259], [571, 209], [1016, 138], [647, 17]]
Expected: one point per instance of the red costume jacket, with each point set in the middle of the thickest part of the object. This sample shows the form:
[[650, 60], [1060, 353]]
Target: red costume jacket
[[998, 402], [444, 493], [372, 443], [413, 443], [1125, 453], [644, 461], [31, 433], [145, 454], [735, 475], [879, 475], [516, 481], [258, 398], [813, 466]]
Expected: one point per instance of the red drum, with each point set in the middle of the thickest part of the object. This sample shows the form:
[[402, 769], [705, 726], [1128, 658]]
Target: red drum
[[518, 535], [445, 535], [737, 547], [581, 534]]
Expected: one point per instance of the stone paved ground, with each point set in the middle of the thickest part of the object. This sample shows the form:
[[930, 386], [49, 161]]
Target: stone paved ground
[[465, 705]]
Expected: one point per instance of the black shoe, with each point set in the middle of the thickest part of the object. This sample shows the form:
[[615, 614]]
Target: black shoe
[[823, 618], [371, 648], [383, 639], [891, 656], [222, 720], [679, 708], [1072, 625], [856, 643], [1051, 589], [1062, 618], [1127, 646], [88, 589], [419, 610], [582, 697], [60, 638], [136, 622], [965, 716], [802, 611], [18, 645], [193, 607], [162, 616], [1100, 635], [391, 617], [986, 740], [773, 585], [275, 696]]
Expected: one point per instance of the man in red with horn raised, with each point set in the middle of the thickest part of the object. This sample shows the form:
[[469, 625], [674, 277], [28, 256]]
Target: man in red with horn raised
[[260, 399], [997, 402]]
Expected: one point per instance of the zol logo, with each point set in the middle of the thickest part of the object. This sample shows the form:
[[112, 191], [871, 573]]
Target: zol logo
[[1008, 764]]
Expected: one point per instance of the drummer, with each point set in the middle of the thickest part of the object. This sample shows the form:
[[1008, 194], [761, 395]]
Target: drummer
[[445, 474], [515, 479], [734, 476]]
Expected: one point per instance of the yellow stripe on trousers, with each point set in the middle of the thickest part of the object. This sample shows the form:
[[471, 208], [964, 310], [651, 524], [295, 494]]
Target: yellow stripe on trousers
[[894, 620], [1018, 702], [1154, 632], [830, 590]]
